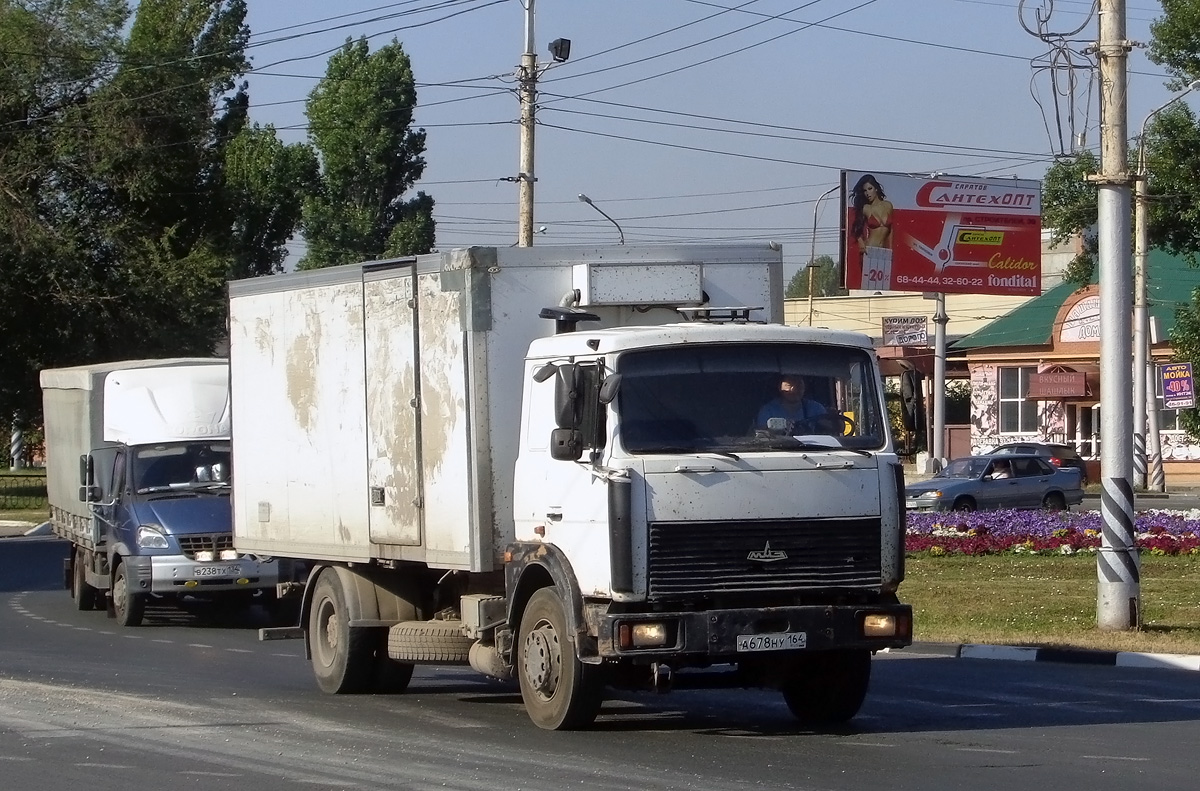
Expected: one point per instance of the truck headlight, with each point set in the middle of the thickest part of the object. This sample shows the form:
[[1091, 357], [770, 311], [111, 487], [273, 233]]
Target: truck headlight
[[879, 625], [652, 634], [229, 554], [151, 537]]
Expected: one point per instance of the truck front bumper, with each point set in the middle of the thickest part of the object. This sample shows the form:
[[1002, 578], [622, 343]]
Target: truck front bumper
[[732, 634], [180, 574]]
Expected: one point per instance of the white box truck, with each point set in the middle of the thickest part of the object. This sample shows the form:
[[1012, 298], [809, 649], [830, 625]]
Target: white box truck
[[137, 476], [578, 467]]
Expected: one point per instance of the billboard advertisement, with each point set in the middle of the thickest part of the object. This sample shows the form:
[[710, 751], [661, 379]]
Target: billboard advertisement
[[950, 234]]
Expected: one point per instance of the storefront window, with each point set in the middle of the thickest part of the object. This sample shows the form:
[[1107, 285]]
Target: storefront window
[[1018, 414]]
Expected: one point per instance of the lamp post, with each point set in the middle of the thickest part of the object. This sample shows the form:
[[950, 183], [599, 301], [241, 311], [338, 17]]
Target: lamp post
[[812, 256], [1144, 399], [588, 201]]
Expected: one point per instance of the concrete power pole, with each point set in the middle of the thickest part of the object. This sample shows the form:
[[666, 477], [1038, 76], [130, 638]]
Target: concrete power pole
[[527, 81], [1118, 595]]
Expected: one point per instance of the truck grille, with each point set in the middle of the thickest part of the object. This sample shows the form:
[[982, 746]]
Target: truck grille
[[213, 542], [742, 557]]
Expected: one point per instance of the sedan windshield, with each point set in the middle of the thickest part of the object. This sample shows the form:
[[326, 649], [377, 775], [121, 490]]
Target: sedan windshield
[[963, 468], [744, 397]]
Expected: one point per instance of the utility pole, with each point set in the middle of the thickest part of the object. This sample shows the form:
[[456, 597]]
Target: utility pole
[[527, 89], [938, 440], [1118, 568], [1147, 448]]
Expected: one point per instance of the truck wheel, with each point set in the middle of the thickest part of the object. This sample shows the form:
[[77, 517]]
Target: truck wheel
[[560, 692], [86, 597], [129, 606], [343, 659], [391, 677], [828, 688]]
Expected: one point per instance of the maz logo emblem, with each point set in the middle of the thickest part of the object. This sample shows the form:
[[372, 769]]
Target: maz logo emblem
[[767, 555]]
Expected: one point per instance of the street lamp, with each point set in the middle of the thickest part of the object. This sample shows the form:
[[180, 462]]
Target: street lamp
[[588, 201], [1144, 402], [812, 256]]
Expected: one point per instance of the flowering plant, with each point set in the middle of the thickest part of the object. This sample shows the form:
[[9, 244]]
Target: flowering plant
[[1045, 532]]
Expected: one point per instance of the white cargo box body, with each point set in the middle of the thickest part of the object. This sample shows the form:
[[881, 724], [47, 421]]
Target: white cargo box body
[[376, 407], [148, 401]]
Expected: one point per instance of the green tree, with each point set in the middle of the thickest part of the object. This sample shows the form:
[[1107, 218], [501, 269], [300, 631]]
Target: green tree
[[266, 183], [827, 280], [132, 186], [360, 118], [1069, 206], [1173, 160]]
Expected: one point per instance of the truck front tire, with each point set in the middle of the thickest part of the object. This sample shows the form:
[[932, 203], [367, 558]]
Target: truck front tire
[[86, 597], [130, 607], [827, 688], [560, 692], [343, 658]]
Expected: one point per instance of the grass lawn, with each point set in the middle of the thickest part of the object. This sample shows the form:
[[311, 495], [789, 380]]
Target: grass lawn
[[1048, 601]]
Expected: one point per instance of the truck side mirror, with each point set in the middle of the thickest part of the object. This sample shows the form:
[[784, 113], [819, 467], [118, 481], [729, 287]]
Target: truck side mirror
[[566, 397], [86, 473], [89, 494], [609, 388], [566, 444]]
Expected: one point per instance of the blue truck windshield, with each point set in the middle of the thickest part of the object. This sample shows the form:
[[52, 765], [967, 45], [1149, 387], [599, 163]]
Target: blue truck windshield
[[181, 466]]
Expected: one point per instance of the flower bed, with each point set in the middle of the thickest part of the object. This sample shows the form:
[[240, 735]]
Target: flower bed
[[1046, 532]]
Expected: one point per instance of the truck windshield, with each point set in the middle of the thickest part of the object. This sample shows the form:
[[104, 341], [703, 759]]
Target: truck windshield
[[191, 465], [746, 397]]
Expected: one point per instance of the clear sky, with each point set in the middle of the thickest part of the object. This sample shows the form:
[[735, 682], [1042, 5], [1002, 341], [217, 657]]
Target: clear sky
[[690, 120]]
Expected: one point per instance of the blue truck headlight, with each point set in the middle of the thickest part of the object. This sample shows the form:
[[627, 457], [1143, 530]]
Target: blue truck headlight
[[151, 537]]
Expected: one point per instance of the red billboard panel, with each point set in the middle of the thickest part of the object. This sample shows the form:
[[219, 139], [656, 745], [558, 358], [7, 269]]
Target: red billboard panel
[[950, 234]]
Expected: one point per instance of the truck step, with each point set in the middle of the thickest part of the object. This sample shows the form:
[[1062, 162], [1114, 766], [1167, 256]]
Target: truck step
[[440, 642]]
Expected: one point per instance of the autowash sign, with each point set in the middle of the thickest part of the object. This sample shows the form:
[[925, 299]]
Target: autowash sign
[[949, 234]]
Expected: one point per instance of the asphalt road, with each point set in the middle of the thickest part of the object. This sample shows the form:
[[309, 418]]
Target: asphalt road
[[201, 704]]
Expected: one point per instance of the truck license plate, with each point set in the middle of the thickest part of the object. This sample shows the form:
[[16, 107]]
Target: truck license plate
[[218, 571], [780, 641]]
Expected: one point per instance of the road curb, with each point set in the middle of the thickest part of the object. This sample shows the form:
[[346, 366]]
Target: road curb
[[1075, 656]]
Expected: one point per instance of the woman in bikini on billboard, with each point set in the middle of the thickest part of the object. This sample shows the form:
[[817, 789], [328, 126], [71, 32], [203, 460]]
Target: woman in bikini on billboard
[[872, 214], [872, 229]]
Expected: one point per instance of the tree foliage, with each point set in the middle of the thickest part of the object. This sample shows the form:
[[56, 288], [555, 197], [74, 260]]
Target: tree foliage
[[131, 187], [1069, 206], [360, 119], [826, 276]]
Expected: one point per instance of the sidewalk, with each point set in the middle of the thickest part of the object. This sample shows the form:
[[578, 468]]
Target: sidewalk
[[11, 528], [1076, 656]]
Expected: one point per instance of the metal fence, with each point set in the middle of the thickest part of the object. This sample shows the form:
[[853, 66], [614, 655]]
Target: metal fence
[[22, 492]]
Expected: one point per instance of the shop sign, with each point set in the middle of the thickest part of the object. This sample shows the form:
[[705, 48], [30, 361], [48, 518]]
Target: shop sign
[[905, 331], [1179, 389], [1082, 322], [1067, 384]]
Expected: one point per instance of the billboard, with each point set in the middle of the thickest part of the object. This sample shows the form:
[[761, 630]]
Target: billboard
[[949, 234]]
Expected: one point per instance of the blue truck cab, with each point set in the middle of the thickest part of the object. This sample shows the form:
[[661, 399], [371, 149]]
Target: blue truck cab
[[147, 444]]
